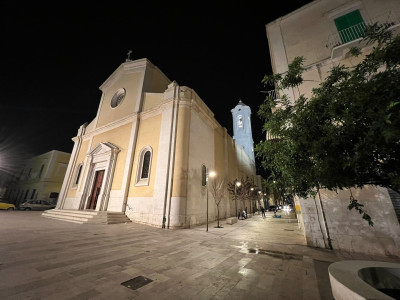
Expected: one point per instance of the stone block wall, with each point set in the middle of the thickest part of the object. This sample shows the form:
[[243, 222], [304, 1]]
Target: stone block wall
[[346, 228]]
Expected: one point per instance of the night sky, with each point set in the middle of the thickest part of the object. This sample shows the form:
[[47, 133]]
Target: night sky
[[55, 55]]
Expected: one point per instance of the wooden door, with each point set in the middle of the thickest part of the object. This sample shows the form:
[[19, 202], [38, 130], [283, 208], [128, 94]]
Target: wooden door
[[98, 180]]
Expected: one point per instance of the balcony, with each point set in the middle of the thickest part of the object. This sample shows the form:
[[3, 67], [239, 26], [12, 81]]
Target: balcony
[[271, 94], [352, 36]]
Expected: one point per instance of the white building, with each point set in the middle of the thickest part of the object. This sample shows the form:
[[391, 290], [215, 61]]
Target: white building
[[322, 32]]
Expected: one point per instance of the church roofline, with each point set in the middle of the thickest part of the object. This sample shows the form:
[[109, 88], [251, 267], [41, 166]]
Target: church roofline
[[130, 65]]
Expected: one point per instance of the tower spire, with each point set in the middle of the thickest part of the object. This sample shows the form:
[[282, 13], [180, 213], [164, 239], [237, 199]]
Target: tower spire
[[242, 132]]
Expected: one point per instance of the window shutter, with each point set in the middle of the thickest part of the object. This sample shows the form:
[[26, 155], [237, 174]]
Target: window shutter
[[350, 26]]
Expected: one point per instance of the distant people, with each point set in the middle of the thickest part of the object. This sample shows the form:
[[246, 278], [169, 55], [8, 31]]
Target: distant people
[[263, 212], [239, 215]]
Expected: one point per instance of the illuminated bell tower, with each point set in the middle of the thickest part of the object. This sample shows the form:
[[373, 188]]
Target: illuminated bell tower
[[242, 128]]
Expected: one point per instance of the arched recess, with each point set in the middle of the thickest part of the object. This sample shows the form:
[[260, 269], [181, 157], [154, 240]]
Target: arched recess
[[144, 166], [102, 158]]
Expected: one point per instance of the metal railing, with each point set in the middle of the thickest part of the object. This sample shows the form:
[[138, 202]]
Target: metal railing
[[272, 94], [357, 31]]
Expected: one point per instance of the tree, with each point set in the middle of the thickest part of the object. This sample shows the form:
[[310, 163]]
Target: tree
[[347, 134], [217, 188], [245, 192]]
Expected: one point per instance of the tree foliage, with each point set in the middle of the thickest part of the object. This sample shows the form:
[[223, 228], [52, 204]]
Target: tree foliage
[[347, 134]]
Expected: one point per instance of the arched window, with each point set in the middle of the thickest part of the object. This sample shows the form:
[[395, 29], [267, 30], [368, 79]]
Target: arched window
[[144, 166], [240, 121], [78, 174], [203, 175]]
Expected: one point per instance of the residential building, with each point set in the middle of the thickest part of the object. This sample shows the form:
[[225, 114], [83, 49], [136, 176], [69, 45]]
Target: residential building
[[41, 178], [322, 32]]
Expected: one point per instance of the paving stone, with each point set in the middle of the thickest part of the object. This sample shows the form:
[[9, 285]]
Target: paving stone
[[251, 259]]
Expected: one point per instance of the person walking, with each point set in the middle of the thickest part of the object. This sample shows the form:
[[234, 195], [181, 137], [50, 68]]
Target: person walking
[[263, 211]]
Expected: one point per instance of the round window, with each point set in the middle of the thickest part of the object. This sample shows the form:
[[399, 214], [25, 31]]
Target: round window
[[118, 97]]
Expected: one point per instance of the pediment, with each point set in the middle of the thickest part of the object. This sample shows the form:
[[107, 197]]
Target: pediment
[[104, 148], [125, 68]]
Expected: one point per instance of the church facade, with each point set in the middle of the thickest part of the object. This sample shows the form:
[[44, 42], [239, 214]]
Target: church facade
[[146, 151]]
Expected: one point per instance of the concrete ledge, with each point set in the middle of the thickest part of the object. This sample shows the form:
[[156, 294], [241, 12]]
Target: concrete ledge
[[231, 220], [347, 283]]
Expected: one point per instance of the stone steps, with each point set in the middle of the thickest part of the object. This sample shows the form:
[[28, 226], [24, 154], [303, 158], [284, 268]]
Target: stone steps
[[86, 217]]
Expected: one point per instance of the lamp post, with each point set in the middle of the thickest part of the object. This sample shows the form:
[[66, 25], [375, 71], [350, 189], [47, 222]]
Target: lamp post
[[237, 184], [252, 190], [265, 201], [211, 174]]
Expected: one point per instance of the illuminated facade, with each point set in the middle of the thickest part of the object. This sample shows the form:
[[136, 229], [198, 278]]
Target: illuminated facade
[[144, 152]]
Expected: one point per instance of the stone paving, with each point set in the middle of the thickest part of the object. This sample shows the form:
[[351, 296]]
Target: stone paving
[[257, 258]]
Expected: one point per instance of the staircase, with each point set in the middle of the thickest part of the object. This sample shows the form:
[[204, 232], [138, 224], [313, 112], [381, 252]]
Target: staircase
[[86, 216]]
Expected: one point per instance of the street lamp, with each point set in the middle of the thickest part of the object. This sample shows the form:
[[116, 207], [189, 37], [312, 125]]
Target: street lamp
[[211, 174], [237, 184], [251, 189]]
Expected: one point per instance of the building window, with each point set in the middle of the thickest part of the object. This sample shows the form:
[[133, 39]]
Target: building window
[[240, 121], [41, 171], [350, 26], [144, 166], [203, 175], [78, 174], [118, 97]]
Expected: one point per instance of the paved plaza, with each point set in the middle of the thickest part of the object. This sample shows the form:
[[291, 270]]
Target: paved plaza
[[256, 258]]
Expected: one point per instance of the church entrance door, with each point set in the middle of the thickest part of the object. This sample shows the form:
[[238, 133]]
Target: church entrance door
[[98, 180]]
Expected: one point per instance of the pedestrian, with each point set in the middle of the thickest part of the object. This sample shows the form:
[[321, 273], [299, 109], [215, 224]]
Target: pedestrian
[[244, 214], [239, 214], [263, 212]]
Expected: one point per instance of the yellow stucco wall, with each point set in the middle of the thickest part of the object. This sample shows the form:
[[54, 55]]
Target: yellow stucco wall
[[58, 172], [131, 83], [181, 153], [156, 82], [80, 159], [219, 153], [151, 100], [120, 137], [148, 135], [42, 175], [233, 163]]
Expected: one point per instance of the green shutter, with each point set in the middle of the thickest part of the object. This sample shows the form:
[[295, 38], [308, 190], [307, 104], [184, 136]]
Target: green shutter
[[350, 26]]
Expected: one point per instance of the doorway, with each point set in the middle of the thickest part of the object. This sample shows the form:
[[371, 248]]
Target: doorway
[[98, 180]]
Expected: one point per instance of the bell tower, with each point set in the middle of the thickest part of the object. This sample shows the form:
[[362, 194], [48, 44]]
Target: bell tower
[[242, 128]]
